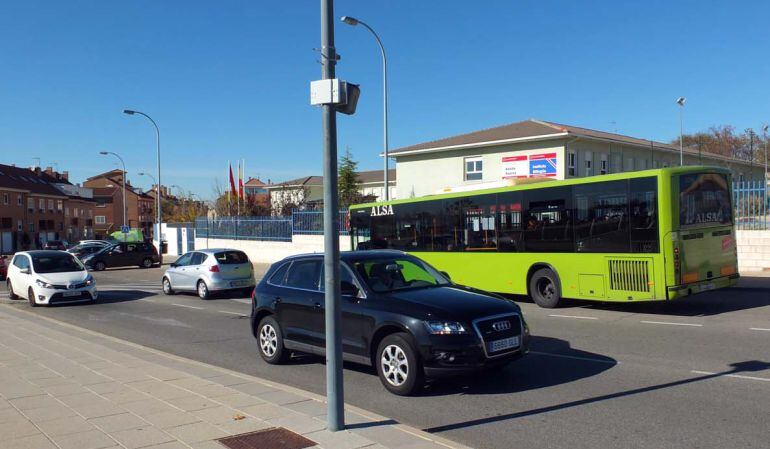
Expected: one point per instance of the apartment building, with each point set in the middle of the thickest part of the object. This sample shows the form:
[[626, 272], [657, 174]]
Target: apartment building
[[108, 210]]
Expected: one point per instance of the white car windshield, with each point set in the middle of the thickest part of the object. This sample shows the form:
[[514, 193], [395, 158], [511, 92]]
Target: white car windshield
[[56, 263]]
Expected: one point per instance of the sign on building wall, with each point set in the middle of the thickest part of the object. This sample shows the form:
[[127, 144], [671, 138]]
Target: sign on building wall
[[537, 165]]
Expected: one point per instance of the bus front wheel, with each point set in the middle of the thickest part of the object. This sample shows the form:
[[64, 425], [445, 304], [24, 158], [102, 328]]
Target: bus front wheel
[[544, 288]]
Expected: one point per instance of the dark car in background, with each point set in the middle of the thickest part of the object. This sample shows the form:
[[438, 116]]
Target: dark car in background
[[140, 254], [399, 315], [85, 249], [55, 244], [3, 267]]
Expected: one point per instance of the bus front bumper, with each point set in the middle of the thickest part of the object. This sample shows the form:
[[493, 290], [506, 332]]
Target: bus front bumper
[[681, 291]]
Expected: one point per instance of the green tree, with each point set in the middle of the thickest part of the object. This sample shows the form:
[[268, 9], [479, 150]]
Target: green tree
[[347, 181]]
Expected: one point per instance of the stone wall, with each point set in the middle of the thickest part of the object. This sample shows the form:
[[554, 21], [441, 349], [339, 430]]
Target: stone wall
[[753, 251]]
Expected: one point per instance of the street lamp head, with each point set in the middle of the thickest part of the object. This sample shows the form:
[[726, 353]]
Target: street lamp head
[[129, 111], [765, 128], [680, 101], [141, 173], [103, 152], [352, 21]]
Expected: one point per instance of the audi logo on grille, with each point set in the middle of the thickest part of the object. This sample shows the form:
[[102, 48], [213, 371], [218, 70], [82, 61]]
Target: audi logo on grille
[[501, 326]]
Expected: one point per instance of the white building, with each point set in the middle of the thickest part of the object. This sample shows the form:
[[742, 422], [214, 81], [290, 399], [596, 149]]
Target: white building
[[534, 148]]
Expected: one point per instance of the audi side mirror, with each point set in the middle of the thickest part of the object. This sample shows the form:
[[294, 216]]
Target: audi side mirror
[[348, 289]]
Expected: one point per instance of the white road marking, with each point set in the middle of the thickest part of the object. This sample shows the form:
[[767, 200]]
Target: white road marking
[[231, 313], [185, 305], [243, 300], [737, 376], [575, 316], [672, 324], [759, 329], [574, 357]]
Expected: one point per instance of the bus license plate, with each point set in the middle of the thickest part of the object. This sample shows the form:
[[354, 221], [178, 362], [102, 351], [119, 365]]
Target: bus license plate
[[706, 287], [502, 345], [71, 294]]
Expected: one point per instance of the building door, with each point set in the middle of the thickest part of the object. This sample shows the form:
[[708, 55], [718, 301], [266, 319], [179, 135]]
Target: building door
[[6, 242], [190, 238]]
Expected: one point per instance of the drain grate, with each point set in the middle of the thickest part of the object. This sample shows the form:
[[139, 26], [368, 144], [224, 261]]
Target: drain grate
[[274, 438]]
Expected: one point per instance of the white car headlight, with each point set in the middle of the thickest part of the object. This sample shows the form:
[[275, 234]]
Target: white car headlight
[[445, 327], [90, 280], [43, 284]]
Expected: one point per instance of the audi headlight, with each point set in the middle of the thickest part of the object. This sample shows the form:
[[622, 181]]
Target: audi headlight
[[43, 284], [445, 327]]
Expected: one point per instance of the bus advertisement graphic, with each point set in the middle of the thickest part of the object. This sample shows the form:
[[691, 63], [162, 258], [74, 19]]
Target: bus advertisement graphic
[[542, 165]]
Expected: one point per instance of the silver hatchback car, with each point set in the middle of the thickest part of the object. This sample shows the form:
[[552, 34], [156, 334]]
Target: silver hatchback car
[[207, 271]]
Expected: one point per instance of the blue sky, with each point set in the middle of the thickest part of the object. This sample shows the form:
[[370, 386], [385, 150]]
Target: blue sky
[[230, 79]]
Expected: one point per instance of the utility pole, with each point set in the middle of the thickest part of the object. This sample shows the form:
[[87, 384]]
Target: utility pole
[[335, 418]]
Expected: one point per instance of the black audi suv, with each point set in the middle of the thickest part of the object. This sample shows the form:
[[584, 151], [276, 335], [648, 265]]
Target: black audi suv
[[399, 315]]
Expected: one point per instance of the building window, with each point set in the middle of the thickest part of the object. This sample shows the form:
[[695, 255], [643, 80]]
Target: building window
[[571, 165], [32, 227], [474, 167], [630, 164], [41, 205], [30, 204], [6, 198], [59, 205], [74, 211], [589, 163], [99, 219], [50, 205], [603, 169], [66, 211], [19, 201], [19, 226]]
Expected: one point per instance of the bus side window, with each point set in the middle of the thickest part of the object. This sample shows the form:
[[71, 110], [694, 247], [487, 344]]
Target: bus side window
[[509, 219], [548, 220], [601, 211], [644, 223]]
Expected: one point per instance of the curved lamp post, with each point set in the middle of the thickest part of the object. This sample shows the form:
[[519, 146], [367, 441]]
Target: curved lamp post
[[353, 22], [159, 213], [104, 153]]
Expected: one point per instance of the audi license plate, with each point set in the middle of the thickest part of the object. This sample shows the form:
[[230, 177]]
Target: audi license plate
[[68, 294], [502, 345]]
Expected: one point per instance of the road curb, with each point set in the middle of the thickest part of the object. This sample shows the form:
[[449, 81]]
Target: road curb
[[371, 415]]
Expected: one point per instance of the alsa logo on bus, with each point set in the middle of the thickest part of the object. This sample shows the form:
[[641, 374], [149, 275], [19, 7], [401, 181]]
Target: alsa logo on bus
[[379, 211]]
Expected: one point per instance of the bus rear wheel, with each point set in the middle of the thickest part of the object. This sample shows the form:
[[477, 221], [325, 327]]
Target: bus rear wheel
[[544, 288]]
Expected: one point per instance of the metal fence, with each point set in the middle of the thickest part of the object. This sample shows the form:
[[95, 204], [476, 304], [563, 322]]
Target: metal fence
[[279, 229], [751, 205], [312, 222]]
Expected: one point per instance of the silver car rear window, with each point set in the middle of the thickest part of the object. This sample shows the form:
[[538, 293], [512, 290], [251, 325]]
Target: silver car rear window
[[231, 257]]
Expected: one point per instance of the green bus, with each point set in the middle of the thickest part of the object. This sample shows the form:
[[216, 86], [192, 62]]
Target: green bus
[[648, 235]]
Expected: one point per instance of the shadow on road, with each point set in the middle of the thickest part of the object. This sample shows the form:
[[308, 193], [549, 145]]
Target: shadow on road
[[112, 297], [751, 293], [552, 362], [740, 367]]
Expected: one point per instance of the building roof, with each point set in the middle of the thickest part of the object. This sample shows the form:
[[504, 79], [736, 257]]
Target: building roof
[[364, 177], [255, 182], [107, 174], [28, 180], [533, 130]]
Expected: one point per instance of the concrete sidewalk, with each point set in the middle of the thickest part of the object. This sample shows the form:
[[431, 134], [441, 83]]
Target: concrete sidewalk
[[69, 388]]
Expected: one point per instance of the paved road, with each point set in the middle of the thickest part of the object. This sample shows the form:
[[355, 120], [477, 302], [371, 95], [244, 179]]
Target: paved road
[[688, 374]]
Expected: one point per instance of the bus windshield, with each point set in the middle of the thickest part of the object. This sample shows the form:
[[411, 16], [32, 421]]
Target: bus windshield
[[704, 199]]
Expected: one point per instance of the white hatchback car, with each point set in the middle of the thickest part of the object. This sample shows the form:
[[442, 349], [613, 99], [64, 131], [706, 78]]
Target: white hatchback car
[[207, 271], [49, 277]]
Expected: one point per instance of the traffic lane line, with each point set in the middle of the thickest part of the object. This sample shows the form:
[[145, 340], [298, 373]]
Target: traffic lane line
[[232, 313], [761, 329], [671, 323], [735, 376], [574, 316], [188, 306]]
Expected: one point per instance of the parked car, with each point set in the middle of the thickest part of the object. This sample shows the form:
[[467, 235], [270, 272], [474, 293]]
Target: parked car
[[94, 242], [85, 249], [398, 313], [49, 277], [55, 244], [209, 271], [123, 255], [3, 267]]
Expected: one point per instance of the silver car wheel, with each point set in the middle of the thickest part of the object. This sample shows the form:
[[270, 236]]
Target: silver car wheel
[[268, 340], [203, 291], [394, 365], [166, 286]]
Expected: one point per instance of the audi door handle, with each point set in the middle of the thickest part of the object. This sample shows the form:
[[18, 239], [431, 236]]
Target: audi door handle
[[318, 305], [278, 300]]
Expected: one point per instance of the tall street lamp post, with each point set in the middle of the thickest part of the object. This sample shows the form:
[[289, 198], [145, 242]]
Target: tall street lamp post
[[353, 22], [680, 101], [159, 213], [104, 153]]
